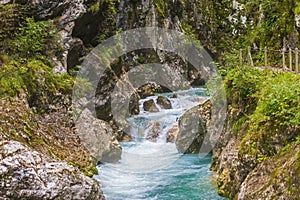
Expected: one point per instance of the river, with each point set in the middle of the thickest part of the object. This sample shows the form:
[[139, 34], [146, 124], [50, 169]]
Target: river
[[150, 170]]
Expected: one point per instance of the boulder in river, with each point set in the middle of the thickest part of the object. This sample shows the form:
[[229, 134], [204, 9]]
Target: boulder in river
[[27, 174], [97, 136], [150, 106], [172, 133], [193, 124], [153, 130], [164, 102]]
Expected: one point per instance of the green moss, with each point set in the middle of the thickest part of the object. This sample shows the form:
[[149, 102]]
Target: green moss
[[160, 7], [92, 171], [95, 7], [237, 126], [267, 107]]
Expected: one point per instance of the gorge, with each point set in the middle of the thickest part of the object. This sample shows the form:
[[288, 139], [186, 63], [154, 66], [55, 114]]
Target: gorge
[[61, 132]]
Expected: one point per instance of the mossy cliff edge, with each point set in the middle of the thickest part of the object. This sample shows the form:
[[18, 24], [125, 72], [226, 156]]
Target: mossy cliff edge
[[258, 153]]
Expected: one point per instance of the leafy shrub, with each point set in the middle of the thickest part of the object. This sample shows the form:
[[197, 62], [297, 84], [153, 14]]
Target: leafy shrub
[[36, 79], [279, 100], [35, 39], [268, 104], [241, 83]]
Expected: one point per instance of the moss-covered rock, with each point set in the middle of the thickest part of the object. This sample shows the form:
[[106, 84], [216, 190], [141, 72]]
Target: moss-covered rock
[[256, 155], [51, 134]]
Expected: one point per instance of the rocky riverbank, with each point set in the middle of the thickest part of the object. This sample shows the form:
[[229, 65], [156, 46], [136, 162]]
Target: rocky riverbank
[[257, 156]]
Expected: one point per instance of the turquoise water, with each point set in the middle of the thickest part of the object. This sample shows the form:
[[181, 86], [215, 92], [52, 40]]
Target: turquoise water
[[155, 170], [188, 178]]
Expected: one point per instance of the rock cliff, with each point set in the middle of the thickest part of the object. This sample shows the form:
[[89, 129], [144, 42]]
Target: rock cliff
[[27, 174], [257, 157]]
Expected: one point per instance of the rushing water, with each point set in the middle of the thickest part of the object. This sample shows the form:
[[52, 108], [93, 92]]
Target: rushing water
[[155, 170]]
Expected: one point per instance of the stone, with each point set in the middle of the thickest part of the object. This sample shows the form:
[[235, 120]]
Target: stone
[[150, 106], [193, 136], [75, 53], [27, 174], [164, 102], [276, 178], [98, 137], [153, 130], [150, 89], [172, 134]]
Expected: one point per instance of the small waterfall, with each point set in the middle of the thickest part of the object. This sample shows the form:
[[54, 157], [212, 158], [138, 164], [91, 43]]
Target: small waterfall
[[153, 169]]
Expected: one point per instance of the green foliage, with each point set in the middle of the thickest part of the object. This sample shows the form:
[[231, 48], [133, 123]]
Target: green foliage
[[161, 7], [29, 67], [32, 76], [267, 103], [35, 38], [268, 22], [95, 7], [279, 102], [297, 9], [11, 17], [11, 82], [241, 84]]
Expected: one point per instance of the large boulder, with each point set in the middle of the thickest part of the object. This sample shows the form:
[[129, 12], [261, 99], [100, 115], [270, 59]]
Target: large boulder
[[97, 136], [27, 174], [193, 136]]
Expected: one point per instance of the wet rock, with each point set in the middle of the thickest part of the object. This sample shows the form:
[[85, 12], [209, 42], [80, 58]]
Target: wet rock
[[172, 134], [27, 174], [115, 97], [200, 99], [98, 138], [124, 137], [164, 102], [134, 107], [150, 89], [193, 124], [153, 130], [174, 95], [150, 106]]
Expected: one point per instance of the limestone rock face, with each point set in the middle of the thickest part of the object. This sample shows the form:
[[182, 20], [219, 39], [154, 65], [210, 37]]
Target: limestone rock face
[[277, 178], [150, 106], [97, 136], [242, 175], [192, 136], [164, 102], [27, 174]]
